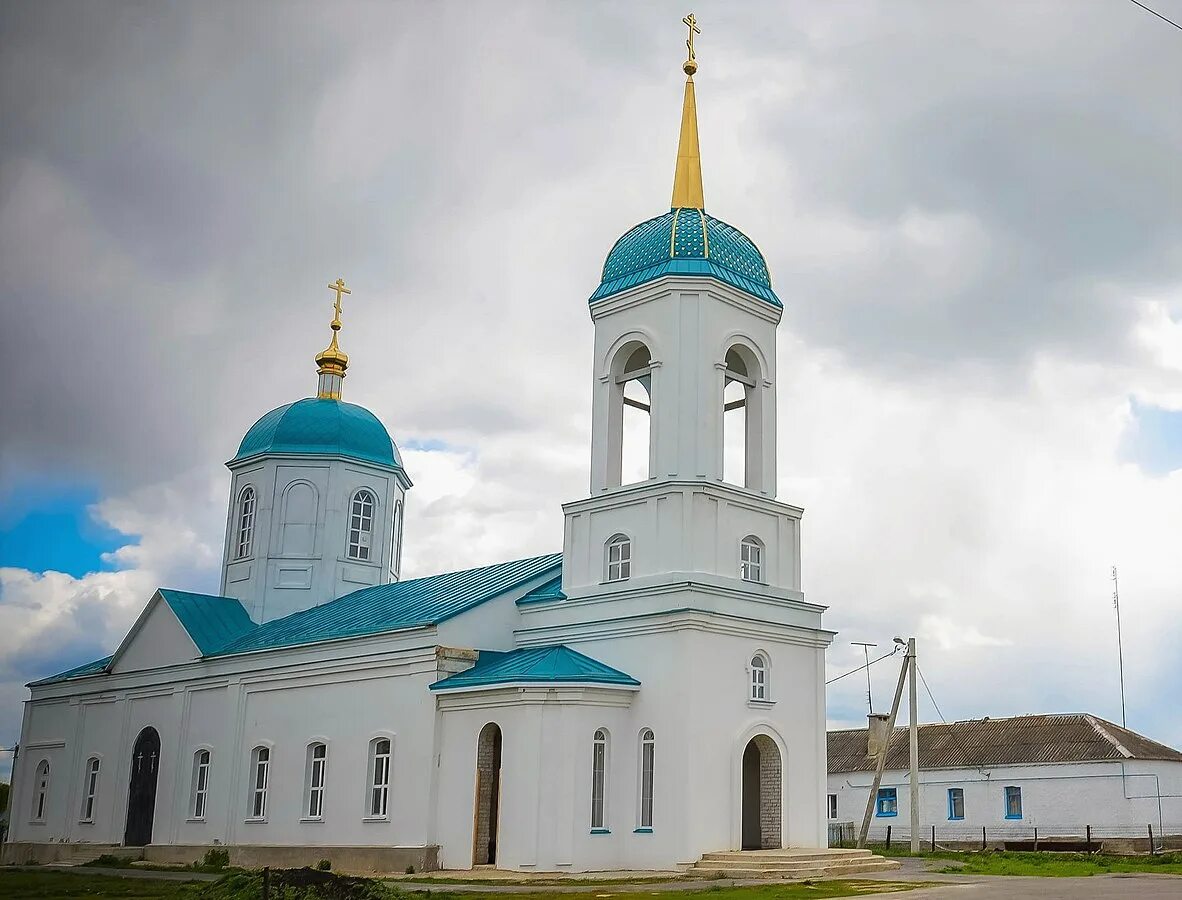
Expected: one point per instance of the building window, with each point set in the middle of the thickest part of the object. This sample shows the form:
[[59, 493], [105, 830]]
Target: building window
[[751, 559], [90, 788], [41, 793], [260, 766], [956, 803], [200, 783], [619, 558], [1013, 803], [379, 782], [888, 802], [317, 762], [833, 806], [598, 778], [647, 757], [245, 523], [360, 525], [758, 677], [396, 541]]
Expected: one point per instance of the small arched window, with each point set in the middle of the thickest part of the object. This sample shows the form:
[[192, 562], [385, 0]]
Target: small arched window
[[90, 788], [360, 525], [751, 559], [619, 558], [379, 767], [200, 783], [245, 523], [758, 684], [648, 745], [598, 778], [260, 765], [396, 549], [41, 792], [317, 765]]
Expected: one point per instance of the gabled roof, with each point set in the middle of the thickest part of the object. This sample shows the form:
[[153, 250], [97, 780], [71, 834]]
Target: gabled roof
[[1016, 741], [545, 593], [390, 607], [535, 665], [212, 622]]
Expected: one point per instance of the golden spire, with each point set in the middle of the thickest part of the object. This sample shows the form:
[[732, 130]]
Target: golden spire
[[332, 360], [687, 180]]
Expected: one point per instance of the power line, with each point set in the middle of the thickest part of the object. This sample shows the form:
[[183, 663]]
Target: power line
[[860, 668], [1156, 13], [930, 697]]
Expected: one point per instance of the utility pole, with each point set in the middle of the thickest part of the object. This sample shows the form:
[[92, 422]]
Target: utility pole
[[914, 741], [1120, 652], [864, 831], [866, 652]]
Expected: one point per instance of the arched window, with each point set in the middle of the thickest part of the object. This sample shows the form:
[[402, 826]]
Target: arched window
[[379, 778], [598, 778], [751, 559], [245, 523], [360, 525], [396, 541], [648, 744], [200, 791], [758, 684], [742, 416], [41, 792], [260, 766], [90, 788], [630, 414], [317, 764], [619, 557]]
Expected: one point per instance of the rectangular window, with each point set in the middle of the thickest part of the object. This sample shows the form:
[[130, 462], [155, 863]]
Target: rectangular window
[[888, 802], [598, 778], [316, 766], [200, 783], [751, 559], [91, 785], [1013, 803], [956, 803], [380, 789], [262, 770], [647, 754], [833, 806], [619, 560]]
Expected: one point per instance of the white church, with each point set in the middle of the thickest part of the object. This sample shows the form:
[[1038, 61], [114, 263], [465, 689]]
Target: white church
[[653, 693]]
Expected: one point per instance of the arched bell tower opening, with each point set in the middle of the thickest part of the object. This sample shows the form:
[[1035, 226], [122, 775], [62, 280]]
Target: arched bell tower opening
[[742, 418], [630, 415]]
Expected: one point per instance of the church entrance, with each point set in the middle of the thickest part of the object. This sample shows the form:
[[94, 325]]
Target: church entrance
[[488, 795], [141, 796], [762, 793]]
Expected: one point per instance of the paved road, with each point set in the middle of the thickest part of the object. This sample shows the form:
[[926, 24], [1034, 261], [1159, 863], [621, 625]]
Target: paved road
[[1008, 887]]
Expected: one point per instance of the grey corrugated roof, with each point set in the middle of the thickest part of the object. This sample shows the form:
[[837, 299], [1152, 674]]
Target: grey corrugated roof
[[1015, 741]]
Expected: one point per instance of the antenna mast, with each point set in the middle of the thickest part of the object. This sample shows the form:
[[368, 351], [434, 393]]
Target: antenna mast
[[1120, 653], [866, 652]]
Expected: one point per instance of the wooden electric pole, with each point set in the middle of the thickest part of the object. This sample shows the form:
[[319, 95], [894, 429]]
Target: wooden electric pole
[[914, 742]]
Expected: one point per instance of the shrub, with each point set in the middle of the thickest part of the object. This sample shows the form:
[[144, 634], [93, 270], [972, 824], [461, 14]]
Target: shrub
[[324, 865], [410, 870], [215, 858]]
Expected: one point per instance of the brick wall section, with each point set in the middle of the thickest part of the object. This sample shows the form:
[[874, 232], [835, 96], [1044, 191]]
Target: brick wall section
[[771, 790], [485, 755]]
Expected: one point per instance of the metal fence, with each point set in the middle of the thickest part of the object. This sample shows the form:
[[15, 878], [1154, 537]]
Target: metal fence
[[1070, 836]]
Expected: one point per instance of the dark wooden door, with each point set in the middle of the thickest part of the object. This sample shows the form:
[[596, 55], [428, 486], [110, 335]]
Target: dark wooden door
[[752, 837], [141, 796]]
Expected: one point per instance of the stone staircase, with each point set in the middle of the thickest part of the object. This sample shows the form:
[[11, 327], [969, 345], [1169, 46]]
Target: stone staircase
[[789, 864]]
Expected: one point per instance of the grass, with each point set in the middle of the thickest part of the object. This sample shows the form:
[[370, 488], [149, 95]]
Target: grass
[[1047, 864]]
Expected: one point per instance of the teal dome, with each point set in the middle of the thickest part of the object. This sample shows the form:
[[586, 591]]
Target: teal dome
[[319, 427], [686, 242]]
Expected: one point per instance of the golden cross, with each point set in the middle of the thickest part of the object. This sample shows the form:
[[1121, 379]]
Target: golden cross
[[340, 288], [691, 21]]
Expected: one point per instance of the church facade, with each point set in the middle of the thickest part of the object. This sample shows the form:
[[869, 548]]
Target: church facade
[[652, 693]]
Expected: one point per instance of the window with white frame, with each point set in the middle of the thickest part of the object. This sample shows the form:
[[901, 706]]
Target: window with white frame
[[833, 806], [379, 782], [598, 778], [246, 502], [751, 559], [200, 784], [619, 558], [317, 763], [90, 788], [41, 791], [360, 525], [260, 766], [648, 744], [758, 685]]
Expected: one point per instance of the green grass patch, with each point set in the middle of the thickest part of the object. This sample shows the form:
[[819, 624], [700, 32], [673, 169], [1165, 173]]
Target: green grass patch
[[1047, 863], [25, 885]]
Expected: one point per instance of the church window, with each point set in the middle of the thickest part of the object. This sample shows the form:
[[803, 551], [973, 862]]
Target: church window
[[245, 523], [260, 765], [396, 549], [90, 788], [833, 806], [758, 669], [751, 559], [200, 783], [630, 424], [741, 414], [360, 525], [317, 764], [598, 778], [647, 759], [619, 558], [41, 794], [379, 766]]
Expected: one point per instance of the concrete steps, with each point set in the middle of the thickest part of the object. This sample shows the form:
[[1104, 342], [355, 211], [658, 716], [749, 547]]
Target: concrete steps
[[789, 864]]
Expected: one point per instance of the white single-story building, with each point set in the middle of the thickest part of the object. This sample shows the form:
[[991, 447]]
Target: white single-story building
[[1059, 774]]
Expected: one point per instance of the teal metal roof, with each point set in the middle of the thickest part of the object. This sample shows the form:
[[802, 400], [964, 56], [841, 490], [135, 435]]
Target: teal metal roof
[[90, 668], [321, 427], [686, 242], [212, 622], [535, 665], [389, 607], [545, 593]]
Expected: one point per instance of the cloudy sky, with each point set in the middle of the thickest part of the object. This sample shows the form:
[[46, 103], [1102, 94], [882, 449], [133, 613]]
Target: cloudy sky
[[972, 211]]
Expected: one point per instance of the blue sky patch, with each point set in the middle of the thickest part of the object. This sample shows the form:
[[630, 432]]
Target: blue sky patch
[[46, 526], [1154, 442]]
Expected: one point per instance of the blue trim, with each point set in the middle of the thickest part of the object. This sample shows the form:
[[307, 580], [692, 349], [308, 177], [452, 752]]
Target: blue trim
[[885, 794], [951, 808], [642, 831], [601, 831], [1006, 800]]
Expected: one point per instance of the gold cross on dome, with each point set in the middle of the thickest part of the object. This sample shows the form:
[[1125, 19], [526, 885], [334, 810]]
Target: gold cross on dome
[[340, 288], [691, 21]]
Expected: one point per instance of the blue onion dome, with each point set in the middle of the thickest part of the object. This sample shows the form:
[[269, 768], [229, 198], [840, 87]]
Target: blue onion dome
[[686, 242], [318, 426]]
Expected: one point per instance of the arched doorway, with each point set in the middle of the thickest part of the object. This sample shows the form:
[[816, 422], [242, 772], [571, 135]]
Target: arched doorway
[[488, 795], [141, 795], [762, 794]]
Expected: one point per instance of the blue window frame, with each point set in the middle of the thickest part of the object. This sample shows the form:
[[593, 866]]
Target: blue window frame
[[888, 802], [956, 803], [1013, 803]]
